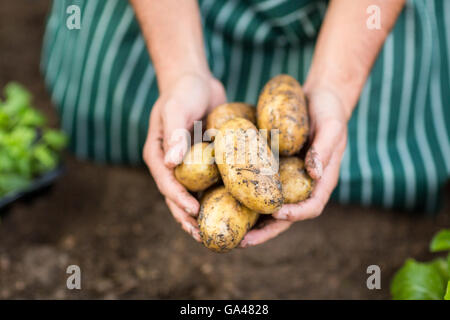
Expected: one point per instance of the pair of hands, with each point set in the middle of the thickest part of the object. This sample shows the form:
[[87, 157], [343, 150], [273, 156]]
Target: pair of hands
[[191, 97]]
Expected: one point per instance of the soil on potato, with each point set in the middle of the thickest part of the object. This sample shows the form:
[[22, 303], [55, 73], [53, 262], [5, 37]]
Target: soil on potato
[[114, 224]]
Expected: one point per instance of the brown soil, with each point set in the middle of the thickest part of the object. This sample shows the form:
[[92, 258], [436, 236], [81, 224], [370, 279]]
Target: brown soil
[[113, 223]]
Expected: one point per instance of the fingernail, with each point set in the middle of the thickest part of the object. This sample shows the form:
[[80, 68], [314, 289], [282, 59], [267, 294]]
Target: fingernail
[[193, 231], [313, 164], [174, 155], [189, 227], [188, 210], [279, 213], [318, 167], [280, 216]]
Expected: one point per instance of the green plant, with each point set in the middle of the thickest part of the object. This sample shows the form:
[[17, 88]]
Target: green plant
[[425, 280], [28, 148]]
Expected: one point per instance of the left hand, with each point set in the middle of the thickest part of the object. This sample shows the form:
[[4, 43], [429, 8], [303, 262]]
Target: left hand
[[328, 134], [185, 100]]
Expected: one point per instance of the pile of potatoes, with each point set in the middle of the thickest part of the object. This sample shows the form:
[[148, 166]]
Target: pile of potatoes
[[250, 187]]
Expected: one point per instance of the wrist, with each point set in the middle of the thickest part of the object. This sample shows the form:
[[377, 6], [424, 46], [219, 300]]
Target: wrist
[[169, 74], [344, 86], [173, 34]]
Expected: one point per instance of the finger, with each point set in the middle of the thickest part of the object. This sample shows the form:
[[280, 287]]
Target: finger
[[188, 223], [181, 110], [163, 176], [218, 95], [329, 133], [270, 230], [328, 127], [323, 188], [185, 105], [176, 133]]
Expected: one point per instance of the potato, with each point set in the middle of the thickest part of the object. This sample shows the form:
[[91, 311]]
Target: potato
[[228, 111], [223, 221], [282, 106], [247, 166], [297, 184], [198, 171]]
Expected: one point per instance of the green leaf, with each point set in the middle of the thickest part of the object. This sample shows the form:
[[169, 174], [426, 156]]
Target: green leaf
[[441, 241], [419, 281], [4, 120], [447, 267], [21, 137], [17, 99], [57, 140], [442, 267], [447, 294], [17, 92], [46, 158], [31, 118], [6, 162], [24, 153]]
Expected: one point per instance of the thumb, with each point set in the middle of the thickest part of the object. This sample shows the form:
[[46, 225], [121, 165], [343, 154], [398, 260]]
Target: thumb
[[327, 137], [176, 135], [218, 95], [329, 128]]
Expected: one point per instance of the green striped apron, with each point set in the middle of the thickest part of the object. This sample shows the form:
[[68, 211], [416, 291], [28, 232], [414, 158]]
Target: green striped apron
[[398, 155]]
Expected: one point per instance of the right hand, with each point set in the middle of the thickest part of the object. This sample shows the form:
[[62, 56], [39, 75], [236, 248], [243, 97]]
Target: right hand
[[189, 98], [328, 134]]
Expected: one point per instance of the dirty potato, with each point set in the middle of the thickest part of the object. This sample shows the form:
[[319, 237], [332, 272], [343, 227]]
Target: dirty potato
[[223, 221], [282, 106], [198, 170], [297, 184], [247, 166], [228, 111]]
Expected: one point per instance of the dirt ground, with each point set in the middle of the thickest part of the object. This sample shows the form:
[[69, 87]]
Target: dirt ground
[[113, 223]]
